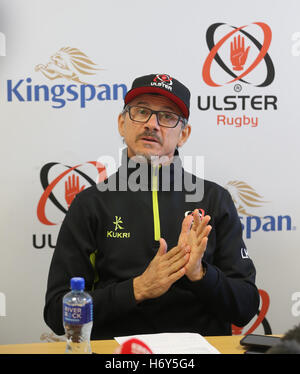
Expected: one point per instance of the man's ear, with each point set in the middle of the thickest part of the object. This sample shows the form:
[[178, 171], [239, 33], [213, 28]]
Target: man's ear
[[184, 135], [121, 121]]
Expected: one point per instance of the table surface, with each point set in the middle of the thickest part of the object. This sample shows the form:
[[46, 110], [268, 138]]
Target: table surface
[[224, 344]]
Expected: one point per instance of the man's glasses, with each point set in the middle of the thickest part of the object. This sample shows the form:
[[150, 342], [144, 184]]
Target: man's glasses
[[165, 119]]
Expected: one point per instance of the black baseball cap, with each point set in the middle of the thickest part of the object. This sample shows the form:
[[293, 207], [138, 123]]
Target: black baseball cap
[[161, 84]]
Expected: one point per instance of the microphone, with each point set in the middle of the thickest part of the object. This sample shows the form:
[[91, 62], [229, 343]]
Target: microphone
[[293, 334], [289, 343], [133, 346]]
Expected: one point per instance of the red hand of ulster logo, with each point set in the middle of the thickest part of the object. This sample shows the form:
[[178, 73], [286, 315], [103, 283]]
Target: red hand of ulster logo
[[238, 54], [163, 78], [72, 187]]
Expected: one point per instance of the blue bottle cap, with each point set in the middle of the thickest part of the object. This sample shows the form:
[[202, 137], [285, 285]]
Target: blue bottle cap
[[77, 284]]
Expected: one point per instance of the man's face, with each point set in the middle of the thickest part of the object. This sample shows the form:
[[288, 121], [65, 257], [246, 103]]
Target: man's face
[[149, 139]]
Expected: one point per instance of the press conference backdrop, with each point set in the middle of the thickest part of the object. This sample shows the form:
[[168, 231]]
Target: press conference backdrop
[[65, 67]]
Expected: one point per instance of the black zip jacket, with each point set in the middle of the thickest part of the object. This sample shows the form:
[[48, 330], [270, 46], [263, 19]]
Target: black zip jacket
[[109, 237]]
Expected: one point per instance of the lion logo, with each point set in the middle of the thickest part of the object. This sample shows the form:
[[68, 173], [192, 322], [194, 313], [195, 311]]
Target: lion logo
[[68, 63], [244, 196]]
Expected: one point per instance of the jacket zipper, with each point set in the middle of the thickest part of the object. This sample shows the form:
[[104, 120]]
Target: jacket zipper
[[155, 203]]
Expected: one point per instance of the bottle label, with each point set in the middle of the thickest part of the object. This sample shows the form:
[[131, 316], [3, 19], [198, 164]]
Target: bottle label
[[78, 315]]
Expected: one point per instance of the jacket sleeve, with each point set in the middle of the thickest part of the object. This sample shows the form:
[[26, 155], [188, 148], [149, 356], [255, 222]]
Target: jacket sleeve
[[228, 287], [75, 244]]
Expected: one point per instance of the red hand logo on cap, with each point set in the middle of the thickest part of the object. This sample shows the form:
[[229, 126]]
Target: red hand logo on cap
[[163, 78]]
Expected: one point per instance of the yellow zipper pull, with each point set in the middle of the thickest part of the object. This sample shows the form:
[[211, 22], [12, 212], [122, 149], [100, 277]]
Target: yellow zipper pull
[[155, 203]]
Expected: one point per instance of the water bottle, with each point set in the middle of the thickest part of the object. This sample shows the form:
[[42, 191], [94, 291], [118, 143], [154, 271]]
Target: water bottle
[[78, 317]]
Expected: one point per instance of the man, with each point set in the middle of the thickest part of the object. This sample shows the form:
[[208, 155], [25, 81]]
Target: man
[[148, 268]]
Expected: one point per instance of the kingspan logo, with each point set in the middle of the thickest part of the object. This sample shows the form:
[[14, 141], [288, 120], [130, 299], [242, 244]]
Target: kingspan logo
[[245, 197], [71, 65]]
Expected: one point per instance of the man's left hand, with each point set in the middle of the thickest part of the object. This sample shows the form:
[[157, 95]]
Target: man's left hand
[[194, 233]]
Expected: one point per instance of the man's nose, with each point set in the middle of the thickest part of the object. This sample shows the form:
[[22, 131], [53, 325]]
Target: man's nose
[[152, 122]]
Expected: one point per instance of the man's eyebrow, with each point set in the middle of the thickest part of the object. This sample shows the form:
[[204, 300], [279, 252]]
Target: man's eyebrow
[[164, 106]]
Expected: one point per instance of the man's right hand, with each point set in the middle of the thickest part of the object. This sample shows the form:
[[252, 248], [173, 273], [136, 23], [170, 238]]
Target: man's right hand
[[165, 269]]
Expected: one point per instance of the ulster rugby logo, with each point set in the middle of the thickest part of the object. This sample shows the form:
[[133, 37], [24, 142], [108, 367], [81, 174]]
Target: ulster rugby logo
[[237, 53], [61, 183], [72, 186], [68, 63], [163, 80], [238, 57]]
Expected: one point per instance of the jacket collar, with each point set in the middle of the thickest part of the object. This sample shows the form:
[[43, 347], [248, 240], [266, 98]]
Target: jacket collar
[[149, 175]]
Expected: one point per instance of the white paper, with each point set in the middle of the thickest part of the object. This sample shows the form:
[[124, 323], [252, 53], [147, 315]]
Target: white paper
[[173, 343]]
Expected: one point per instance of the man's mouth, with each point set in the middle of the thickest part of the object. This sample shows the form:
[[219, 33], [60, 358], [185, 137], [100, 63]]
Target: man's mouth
[[149, 139]]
